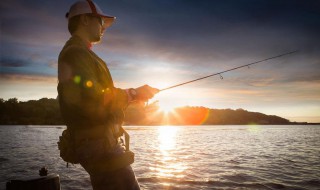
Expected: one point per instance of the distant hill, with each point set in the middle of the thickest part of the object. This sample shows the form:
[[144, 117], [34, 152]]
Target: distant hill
[[199, 116], [46, 112]]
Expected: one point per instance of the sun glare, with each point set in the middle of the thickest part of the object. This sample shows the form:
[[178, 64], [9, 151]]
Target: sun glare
[[169, 164], [167, 137], [166, 107], [169, 100]]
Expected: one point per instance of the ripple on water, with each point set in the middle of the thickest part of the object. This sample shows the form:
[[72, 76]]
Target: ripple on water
[[3, 160], [200, 157]]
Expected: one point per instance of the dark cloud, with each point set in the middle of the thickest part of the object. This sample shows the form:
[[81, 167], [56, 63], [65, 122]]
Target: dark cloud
[[33, 65], [181, 19], [53, 64], [28, 78], [201, 35], [207, 32], [12, 62]]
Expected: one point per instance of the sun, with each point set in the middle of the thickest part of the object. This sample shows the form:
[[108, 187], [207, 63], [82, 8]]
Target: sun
[[167, 100], [166, 107]]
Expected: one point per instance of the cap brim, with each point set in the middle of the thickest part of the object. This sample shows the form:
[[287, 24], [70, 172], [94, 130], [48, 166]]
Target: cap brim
[[108, 20]]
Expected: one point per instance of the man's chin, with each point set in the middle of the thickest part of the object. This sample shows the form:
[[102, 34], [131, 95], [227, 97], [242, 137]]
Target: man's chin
[[97, 40]]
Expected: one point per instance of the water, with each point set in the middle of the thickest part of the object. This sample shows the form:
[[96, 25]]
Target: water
[[167, 157]]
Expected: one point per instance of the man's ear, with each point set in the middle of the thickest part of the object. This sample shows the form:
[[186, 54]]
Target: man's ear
[[84, 19]]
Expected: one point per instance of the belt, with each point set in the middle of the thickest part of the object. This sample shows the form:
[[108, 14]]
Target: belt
[[95, 133], [90, 132]]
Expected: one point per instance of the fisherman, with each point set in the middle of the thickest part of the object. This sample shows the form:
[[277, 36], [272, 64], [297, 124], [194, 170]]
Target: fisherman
[[92, 107]]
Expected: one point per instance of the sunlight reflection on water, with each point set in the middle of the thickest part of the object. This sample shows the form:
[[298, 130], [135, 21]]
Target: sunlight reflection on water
[[168, 163], [254, 128], [167, 138]]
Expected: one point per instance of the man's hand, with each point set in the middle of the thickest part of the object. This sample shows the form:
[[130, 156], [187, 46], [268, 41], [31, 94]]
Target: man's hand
[[145, 92]]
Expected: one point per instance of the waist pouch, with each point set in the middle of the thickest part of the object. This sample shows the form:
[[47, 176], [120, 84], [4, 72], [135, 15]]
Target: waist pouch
[[66, 146], [111, 164]]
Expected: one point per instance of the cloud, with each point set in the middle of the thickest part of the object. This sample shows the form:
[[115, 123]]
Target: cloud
[[33, 24], [14, 62], [30, 64], [21, 78], [261, 82], [172, 41], [200, 35], [53, 64]]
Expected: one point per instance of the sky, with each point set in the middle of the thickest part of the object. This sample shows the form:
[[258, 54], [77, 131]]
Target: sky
[[166, 42]]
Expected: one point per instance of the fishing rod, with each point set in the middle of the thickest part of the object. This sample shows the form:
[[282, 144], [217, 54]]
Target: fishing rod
[[247, 65]]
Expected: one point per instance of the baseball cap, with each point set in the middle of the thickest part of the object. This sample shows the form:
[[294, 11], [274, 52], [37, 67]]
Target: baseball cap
[[89, 7]]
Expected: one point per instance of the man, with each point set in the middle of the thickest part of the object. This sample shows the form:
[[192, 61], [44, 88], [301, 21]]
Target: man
[[91, 106]]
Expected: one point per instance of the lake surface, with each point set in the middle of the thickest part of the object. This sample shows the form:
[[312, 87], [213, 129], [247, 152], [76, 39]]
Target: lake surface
[[178, 157]]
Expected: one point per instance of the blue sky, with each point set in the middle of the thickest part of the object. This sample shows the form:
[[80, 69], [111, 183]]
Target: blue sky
[[165, 42]]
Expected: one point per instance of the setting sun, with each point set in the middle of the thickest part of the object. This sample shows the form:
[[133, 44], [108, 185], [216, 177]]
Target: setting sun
[[167, 100], [166, 107]]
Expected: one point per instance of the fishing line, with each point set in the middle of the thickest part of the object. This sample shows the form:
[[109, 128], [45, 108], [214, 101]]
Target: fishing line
[[247, 65]]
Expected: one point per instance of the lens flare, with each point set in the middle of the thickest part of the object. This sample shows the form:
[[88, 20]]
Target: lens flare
[[77, 79], [89, 84]]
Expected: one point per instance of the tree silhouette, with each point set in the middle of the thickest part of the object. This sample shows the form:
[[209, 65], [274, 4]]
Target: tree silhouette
[[46, 112]]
